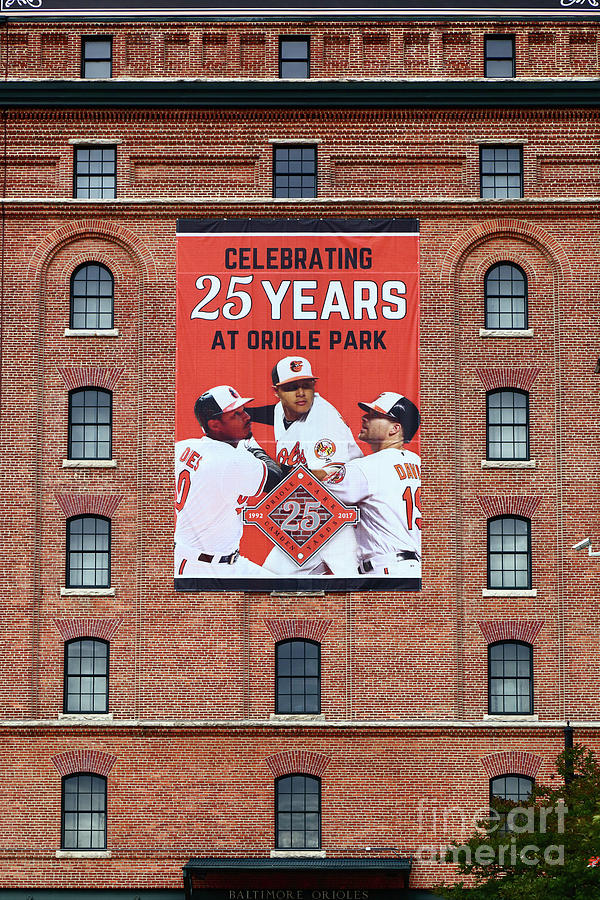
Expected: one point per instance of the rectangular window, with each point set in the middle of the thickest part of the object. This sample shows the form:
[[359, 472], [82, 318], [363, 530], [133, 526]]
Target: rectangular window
[[294, 57], [501, 171], [96, 57], [499, 56], [295, 171], [95, 173]]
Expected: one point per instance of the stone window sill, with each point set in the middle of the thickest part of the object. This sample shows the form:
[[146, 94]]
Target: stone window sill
[[486, 592], [506, 332], [297, 718], [91, 332], [310, 854], [508, 464], [87, 592], [86, 718], [89, 464], [516, 718], [83, 854]]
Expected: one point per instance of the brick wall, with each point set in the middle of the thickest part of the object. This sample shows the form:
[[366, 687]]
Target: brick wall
[[386, 657], [371, 49]]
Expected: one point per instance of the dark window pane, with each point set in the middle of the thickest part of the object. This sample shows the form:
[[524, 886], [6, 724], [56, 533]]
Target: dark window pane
[[301, 692], [501, 170], [95, 172], [92, 293], [86, 676], [301, 828], [83, 829], [510, 678], [90, 568], [295, 171], [509, 562], [507, 439], [509, 791], [294, 58], [92, 440], [505, 297]]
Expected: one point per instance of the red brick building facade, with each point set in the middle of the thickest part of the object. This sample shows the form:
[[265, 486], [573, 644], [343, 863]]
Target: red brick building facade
[[407, 741]]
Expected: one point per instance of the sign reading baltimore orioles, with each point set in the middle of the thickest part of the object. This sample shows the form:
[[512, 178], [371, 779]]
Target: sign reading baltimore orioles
[[297, 462]]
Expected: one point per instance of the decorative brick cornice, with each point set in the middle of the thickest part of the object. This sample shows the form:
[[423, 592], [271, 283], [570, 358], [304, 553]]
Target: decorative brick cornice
[[84, 761], [512, 762], [88, 504], [308, 629], [525, 630], [91, 628], [306, 762], [509, 506], [91, 376], [508, 378]]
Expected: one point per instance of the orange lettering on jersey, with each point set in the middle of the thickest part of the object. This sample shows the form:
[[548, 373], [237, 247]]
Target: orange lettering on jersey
[[185, 454], [193, 460], [400, 470], [293, 457]]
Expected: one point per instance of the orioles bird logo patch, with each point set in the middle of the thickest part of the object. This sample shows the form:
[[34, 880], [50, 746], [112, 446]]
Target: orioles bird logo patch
[[324, 449], [296, 365]]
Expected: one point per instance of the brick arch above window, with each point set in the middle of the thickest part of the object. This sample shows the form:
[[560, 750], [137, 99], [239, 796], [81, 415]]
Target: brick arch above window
[[88, 504], [308, 762], [525, 630], [91, 376], [104, 629], [507, 505], [76, 231], [521, 379], [306, 629], [474, 237], [512, 762], [84, 761]]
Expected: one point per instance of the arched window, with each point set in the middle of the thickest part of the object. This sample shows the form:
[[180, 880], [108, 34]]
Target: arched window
[[510, 678], [92, 297], [505, 289], [507, 424], [88, 552], [298, 812], [90, 424], [509, 553], [506, 793], [86, 676], [83, 812], [297, 677]]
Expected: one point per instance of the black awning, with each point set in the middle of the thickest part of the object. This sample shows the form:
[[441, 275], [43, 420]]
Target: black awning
[[296, 878], [251, 863]]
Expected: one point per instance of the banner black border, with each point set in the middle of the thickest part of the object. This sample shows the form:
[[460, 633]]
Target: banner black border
[[275, 585]]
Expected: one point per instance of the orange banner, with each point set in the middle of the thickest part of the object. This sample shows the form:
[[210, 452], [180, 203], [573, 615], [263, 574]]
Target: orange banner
[[297, 378]]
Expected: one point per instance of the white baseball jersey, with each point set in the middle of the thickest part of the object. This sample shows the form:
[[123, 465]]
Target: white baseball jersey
[[318, 438], [387, 488], [213, 481]]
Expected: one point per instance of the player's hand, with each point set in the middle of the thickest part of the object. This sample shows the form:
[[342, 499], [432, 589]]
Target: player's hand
[[321, 474], [334, 472]]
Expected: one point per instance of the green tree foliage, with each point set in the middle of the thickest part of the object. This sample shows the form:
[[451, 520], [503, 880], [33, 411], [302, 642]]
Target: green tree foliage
[[539, 850]]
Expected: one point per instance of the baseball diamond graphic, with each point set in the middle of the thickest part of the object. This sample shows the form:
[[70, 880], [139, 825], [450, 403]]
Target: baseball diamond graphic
[[300, 515]]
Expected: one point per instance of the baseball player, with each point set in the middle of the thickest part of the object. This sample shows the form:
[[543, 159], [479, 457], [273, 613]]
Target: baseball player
[[309, 431], [386, 485], [214, 476]]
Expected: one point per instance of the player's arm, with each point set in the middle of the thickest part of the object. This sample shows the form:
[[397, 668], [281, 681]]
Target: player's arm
[[275, 471], [262, 415], [347, 482]]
